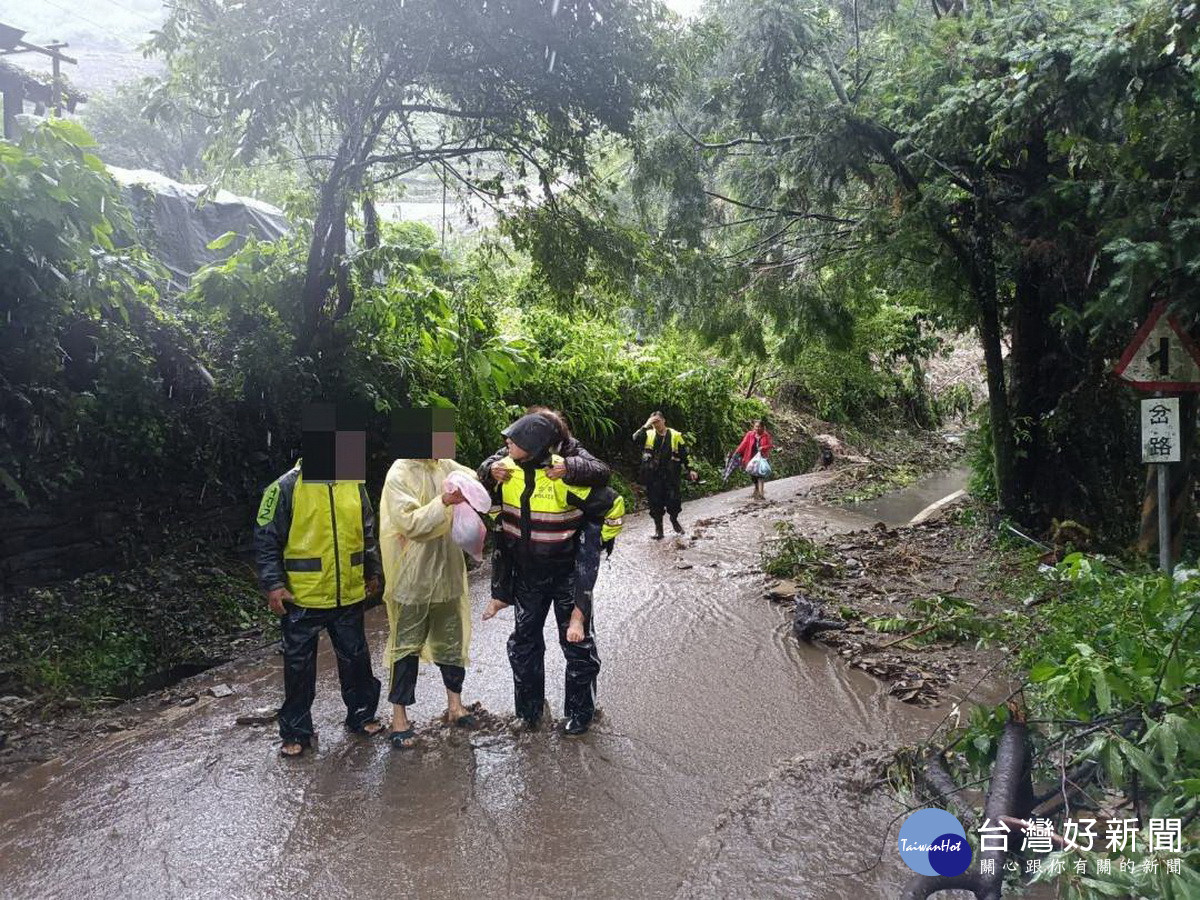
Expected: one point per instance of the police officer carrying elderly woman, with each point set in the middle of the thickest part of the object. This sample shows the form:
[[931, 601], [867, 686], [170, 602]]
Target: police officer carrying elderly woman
[[320, 555]]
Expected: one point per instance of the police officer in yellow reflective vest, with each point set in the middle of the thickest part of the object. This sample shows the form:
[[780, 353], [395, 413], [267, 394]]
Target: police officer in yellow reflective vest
[[548, 555], [664, 459], [318, 558]]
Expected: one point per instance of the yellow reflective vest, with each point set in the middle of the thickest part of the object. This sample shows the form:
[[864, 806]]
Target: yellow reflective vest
[[325, 530], [556, 510], [676, 443]]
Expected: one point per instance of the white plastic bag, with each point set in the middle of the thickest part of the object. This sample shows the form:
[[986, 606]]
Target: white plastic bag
[[758, 467], [467, 530]]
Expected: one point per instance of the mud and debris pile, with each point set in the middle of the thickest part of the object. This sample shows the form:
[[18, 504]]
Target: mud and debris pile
[[919, 607]]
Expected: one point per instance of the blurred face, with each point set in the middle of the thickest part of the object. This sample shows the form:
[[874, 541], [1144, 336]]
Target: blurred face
[[514, 451], [443, 445]]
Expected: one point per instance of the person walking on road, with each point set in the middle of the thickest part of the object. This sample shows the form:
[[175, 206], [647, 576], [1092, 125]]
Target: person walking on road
[[317, 559], [548, 556], [428, 604], [664, 459], [756, 443]]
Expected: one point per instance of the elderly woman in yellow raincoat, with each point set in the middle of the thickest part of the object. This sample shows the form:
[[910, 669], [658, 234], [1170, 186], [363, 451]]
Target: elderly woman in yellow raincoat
[[428, 606]]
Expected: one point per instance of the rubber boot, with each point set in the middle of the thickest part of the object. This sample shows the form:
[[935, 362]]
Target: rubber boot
[[675, 524], [658, 529]]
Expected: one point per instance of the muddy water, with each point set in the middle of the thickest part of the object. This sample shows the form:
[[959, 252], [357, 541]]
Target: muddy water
[[903, 505], [693, 783]]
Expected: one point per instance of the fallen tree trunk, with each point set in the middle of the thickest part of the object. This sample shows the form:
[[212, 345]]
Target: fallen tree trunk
[[1010, 795], [939, 789]]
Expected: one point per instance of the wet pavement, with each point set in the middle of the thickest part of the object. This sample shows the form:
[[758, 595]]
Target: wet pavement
[[706, 776], [901, 506]]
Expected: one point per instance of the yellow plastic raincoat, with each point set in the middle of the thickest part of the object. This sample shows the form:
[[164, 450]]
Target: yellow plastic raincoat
[[428, 606]]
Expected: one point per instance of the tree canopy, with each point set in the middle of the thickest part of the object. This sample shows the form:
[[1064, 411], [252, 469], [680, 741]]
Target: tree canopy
[[505, 98], [1021, 168]]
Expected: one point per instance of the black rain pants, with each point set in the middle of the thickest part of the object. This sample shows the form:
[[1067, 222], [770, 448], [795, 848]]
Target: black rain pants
[[663, 492], [404, 680], [537, 586], [302, 627]]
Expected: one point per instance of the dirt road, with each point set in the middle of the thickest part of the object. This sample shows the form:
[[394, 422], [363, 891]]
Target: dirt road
[[689, 785]]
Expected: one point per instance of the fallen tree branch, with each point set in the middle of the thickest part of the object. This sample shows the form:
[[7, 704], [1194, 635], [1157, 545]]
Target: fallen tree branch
[[940, 789], [917, 633], [1009, 795]]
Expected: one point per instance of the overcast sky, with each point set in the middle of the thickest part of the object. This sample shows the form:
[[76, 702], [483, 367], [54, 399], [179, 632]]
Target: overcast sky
[[684, 7]]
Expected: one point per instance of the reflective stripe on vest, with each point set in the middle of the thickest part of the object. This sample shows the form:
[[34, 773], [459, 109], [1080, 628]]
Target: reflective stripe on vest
[[614, 520], [324, 556], [541, 537], [539, 513], [540, 516]]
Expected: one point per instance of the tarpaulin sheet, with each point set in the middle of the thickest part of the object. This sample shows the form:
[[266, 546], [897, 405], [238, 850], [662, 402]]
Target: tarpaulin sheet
[[178, 221]]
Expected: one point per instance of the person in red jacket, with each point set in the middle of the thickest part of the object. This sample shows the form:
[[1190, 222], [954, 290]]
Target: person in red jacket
[[757, 440]]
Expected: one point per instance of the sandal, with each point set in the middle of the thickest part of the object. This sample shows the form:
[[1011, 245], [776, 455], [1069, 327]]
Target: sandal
[[403, 740]]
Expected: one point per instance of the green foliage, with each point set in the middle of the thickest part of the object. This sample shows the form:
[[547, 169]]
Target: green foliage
[[420, 335], [945, 618], [280, 68], [111, 635], [1023, 168], [789, 554], [1114, 678], [1130, 655], [126, 135], [207, 389], [608, 384], [955, 402], [77, 317], [368, 94], [981, 483]]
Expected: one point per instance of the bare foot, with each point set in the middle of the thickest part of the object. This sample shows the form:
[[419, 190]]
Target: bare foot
[[575, 628], [291, 749], [459, 716], [494, 606]]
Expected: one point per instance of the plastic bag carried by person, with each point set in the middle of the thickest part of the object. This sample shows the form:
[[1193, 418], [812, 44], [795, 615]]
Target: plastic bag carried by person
[[758, 467], [468, 530]]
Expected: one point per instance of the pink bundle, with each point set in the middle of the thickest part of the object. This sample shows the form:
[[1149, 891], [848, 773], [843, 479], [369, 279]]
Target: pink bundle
[[467, 530]]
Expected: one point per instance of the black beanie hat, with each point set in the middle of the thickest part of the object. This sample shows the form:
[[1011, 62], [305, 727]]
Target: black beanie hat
[[533, 433]]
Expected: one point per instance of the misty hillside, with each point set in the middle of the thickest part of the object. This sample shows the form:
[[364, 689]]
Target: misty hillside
[[103, 35]]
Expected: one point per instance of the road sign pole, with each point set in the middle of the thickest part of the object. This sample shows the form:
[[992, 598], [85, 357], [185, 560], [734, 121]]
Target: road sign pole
[[1164, 517], [1162, 357]]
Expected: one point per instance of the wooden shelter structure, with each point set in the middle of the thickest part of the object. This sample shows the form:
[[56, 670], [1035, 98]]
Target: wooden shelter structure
[[17, 85]]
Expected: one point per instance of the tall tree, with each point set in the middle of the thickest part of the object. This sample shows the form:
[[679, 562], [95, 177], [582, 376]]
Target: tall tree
[[983, 154], [504, 97]]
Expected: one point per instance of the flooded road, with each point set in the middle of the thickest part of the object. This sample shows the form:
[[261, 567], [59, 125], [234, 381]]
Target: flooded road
[[702, 777]]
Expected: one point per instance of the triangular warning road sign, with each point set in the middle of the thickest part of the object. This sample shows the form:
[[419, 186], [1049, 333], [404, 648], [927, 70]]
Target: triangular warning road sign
[[1161, 357]]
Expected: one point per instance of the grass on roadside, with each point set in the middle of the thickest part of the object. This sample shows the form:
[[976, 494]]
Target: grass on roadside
[[1113, 684], [107, 635]]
